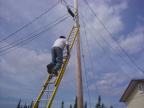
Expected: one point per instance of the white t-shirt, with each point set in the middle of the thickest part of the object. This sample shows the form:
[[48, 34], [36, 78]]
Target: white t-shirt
[[61, 42]]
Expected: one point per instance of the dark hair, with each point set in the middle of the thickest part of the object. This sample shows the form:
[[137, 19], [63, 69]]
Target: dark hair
[[62, 37]]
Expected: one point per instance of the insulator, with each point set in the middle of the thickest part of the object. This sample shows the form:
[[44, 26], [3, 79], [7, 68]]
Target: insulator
[[71, 13]]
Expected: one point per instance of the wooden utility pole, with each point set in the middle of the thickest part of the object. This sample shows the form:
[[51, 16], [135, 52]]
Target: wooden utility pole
[[78, 61]]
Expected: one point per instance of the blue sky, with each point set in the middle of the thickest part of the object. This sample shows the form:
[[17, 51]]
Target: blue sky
[[23, 71]]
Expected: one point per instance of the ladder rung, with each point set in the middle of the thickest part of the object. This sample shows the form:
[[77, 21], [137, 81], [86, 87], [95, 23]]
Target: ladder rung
[[73, 31], [71, 37], [43, 100], [72, 34], [64, 57], [53, 75], [48, 91], [64, 52], [70, 40], [51, 82]]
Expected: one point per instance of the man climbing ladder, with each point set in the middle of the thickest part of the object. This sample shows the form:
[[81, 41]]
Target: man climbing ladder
[[57, 55], [71, 39]]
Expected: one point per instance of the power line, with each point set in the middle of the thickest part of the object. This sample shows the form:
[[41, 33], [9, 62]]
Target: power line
[[31, 33], [90, 56], [29, 23], [31, 38], [90, 60], [107, 54], [85, 72], [34, 37], [109, 44], [65, 3], [68, 9], [114, 38]]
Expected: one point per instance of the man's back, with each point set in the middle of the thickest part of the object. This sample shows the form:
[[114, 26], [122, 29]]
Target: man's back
[[61, 42]]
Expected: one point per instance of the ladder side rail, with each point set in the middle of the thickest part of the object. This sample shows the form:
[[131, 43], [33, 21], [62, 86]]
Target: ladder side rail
[[58, 80], [69, 36], [57, 85], [69, 52], [61, 71], [41, 93], [70, 33], [74, 38]]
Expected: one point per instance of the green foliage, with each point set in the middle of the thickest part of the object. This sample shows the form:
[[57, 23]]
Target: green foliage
[[103, 106], [85, 106], [18, 106], [25, 106], [62, 106], [70, 106], [75, 105], [111, 106], [98, 105], [31, 104]]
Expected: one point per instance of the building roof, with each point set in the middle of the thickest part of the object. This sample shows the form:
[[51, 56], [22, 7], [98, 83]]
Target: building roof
[[130, 88]]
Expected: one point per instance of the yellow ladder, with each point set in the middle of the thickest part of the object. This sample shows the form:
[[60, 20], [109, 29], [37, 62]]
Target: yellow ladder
[[71, 38]]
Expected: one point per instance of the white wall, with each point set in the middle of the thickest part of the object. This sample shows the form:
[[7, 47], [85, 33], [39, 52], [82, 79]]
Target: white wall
[[136, 99]]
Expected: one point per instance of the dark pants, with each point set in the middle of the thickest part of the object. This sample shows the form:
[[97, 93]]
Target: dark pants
[[57, 58]]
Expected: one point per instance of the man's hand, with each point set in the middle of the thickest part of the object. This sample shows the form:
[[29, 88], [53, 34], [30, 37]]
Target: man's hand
[[67, 52], [67, 49]]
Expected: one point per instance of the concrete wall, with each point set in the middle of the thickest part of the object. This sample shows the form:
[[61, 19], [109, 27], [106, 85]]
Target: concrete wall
[[136, 99]]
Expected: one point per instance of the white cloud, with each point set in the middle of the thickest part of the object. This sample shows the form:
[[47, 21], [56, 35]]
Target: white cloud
[[26, 71], [134, 42], [110, 16], [24, 65], [108, 84], [141, 18]]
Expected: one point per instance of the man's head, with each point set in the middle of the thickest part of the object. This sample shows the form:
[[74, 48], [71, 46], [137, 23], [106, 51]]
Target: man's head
[[62, 37]]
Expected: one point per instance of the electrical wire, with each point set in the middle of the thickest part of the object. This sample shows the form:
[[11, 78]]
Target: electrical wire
[[29, 23], [85, 73], [31, 33], [90, 58], [65, 4], [35, 36], [30, 38], [109, 44], [89, 54], [107, 53], [114, 38]]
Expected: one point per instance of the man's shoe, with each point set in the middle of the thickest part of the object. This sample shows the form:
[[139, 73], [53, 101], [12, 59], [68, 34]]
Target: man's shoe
[[55, 72], [49, 69]]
